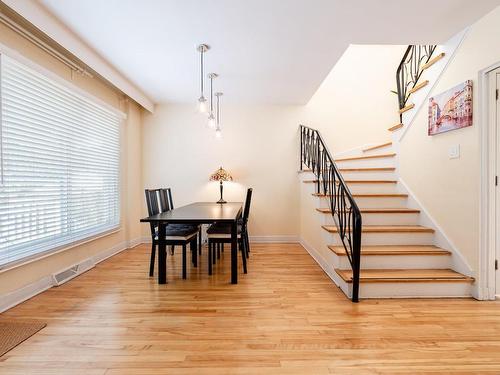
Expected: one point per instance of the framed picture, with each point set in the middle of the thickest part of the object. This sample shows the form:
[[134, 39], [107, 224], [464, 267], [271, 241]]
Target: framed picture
[[451, 109]]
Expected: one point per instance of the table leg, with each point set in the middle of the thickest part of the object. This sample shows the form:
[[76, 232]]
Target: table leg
[[162, 254], [234, 252]]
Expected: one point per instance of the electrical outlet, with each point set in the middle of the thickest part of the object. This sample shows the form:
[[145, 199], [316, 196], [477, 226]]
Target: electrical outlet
[[454, 152]]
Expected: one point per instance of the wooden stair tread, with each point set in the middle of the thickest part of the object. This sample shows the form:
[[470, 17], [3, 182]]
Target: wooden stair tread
[[395, 127], [374, 169], [377, 210], [405, 275], [377, 146], [418, 87], [380, 156], [433, 61], [368, 195], [359, 181], [367, 169], [394, 250], [385, 229], [406, 108]]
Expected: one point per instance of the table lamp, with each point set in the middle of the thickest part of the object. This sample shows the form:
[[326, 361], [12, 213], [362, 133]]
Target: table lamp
[[221, 175]]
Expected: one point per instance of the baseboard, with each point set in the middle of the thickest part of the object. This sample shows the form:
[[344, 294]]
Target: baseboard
[[20, 295], [328, 269], [14, 298]]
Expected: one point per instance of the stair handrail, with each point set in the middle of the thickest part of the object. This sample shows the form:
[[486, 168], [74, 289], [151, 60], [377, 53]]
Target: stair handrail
[[410, 70], [314, 154]]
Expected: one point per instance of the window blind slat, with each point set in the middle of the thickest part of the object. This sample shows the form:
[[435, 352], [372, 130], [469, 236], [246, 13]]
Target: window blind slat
[[60, 164]]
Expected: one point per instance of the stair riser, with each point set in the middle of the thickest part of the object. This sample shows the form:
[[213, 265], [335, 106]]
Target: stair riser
[[371, 175], [399, 262], [412, 289], [392, 238], [367, 163], [380, 219], [382, 150], [363, 202], [373, 188]]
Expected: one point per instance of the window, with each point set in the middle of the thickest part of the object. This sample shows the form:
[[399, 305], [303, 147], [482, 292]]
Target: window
[[59, 165]]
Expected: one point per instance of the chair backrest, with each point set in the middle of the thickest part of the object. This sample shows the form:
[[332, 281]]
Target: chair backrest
[[246, 210], [153, 206], [166, 199]]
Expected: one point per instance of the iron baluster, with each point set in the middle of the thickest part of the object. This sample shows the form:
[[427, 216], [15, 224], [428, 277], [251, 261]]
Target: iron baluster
[[344, 210]]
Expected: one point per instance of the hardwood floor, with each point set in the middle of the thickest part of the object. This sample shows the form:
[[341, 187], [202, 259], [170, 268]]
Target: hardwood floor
[[284, 317]]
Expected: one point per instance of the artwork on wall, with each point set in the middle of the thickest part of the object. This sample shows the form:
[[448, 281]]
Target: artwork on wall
[[451, 109]]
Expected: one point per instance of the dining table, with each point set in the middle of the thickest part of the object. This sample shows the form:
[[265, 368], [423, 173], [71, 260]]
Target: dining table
[[197, 213]]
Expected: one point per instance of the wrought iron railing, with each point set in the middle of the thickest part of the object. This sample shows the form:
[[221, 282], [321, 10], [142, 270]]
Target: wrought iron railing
[[345, 212], [410, 70]]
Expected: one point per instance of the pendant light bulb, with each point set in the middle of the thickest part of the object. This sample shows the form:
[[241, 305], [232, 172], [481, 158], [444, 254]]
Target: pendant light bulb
[[218, 132], [202, 104], [211, 121]]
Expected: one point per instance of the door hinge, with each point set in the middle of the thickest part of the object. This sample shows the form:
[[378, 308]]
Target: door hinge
[[496, 264], [496, 94], [496, 180]]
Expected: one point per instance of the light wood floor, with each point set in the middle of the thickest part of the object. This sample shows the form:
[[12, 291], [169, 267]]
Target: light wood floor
[[284, 317]]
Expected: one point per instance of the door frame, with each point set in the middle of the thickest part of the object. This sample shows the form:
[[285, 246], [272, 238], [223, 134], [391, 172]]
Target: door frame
[[486, 284]]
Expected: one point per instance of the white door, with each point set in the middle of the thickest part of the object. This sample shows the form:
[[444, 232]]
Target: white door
[[497, 190]]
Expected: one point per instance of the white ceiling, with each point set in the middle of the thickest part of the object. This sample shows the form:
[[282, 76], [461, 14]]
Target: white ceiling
[[266, 51]]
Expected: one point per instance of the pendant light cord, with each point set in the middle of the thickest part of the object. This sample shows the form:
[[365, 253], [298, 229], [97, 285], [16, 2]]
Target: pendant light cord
[[218, 111], [201, 69], [211, 95]]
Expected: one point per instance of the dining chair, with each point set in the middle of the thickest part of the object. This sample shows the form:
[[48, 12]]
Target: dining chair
[[220, 233], [168, 203], [176, 234]]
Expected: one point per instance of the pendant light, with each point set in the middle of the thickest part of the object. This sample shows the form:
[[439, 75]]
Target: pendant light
[[218, 130], [211, 116], [202, 102]]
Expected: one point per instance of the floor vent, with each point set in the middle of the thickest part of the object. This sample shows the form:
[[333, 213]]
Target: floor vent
[[66, 275]]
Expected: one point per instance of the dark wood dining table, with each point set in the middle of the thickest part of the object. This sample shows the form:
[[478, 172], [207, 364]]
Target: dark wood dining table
[[197, 213]]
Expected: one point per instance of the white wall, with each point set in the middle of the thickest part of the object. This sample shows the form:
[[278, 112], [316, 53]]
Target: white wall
[[354, 105], [449, 188], [259, 148]]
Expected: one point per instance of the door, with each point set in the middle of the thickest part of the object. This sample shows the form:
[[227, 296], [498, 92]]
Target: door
[[497, 189]]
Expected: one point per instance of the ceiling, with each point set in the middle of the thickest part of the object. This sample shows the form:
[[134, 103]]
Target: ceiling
[[266, 51]]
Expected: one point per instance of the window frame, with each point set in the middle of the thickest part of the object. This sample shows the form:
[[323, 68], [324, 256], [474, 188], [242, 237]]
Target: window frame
[[58, 80]]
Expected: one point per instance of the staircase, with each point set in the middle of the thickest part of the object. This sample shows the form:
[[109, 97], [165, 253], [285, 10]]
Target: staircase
[[402, 252], [399, 255]]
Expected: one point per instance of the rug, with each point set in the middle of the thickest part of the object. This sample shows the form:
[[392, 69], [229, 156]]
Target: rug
[[12, 333]]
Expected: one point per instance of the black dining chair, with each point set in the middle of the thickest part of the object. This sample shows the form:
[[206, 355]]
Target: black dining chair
[[176, 234], [167, 203], [220, 233]]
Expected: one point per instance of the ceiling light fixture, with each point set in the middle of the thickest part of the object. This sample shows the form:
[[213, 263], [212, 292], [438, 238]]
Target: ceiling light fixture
[[218, 130], [211, 116], [202, 102]]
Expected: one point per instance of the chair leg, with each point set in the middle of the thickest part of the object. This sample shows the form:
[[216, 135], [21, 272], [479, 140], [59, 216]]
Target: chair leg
[[172, 250], [200, 243], [243, 255], [218, 250], [210, 245], [214, 251], [247, 241], [184, 274], [222, 247], [152, 260], [194, 252]]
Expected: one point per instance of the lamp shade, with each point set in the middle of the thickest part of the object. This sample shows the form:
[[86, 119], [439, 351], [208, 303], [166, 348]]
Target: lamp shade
[[221, 175]]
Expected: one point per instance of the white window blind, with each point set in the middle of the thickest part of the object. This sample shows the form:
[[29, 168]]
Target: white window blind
[[59, 177]]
